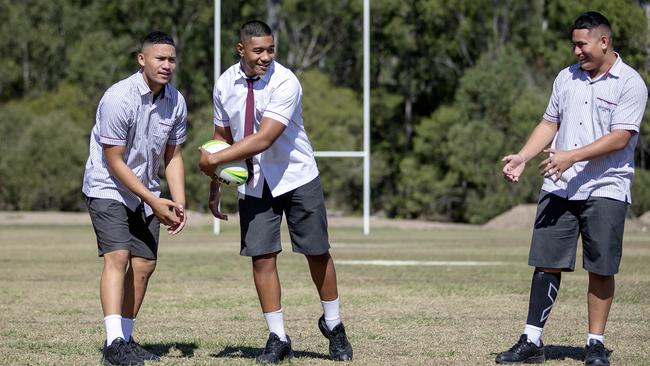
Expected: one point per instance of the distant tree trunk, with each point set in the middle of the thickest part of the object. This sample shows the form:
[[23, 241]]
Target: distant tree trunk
[[26, 66]]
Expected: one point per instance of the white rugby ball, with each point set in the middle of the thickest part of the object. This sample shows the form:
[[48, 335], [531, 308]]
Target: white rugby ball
[[232, 174]]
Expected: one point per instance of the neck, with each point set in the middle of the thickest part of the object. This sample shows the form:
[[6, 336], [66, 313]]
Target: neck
[[153, 86], [604, 68]]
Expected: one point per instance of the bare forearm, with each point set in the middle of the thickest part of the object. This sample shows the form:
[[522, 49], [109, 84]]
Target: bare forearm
[[614, 141], [126, 176], [539, 139], [175, 174]]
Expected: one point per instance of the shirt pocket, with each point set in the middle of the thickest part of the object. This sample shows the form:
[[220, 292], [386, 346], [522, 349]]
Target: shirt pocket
[[160, 135], [603, 113]]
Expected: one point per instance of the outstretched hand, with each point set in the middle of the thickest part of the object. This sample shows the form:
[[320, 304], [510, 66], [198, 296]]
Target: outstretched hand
[[514, 167]]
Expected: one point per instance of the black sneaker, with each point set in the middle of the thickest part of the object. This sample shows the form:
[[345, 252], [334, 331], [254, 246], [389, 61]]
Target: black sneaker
[[340, 347], [142, 352], [276, 350], [522, 352], [596, 354], [119, 353]]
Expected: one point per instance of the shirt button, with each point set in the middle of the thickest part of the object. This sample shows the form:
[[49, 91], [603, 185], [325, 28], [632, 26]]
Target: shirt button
[[585, 102], [580, 123], [575, 144]]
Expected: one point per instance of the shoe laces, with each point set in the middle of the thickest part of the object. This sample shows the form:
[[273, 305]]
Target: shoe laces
[[520, 346], [123, 351], [339, 340], [597, 348]]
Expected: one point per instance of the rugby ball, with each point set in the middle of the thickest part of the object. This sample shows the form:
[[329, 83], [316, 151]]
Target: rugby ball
[[232, 174]]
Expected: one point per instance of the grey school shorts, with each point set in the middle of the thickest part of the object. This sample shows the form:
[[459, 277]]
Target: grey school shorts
[[119, 228], [304, 208], [559, 222]]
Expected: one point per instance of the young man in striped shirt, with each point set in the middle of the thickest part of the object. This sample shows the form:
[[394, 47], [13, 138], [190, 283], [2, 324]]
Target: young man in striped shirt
[[592, 119], [139, 120]]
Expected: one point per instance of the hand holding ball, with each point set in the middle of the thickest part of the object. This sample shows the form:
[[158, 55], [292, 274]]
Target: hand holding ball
[[232, 174]]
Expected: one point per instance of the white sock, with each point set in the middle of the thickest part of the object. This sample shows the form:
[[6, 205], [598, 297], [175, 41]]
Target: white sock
[[113, 324], [534, 334], [331, 312], [127, 328], [275, 322], [598, 337]]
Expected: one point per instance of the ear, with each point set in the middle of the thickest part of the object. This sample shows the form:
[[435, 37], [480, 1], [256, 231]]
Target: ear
[[240, 48], [141, 59], [604, 42]]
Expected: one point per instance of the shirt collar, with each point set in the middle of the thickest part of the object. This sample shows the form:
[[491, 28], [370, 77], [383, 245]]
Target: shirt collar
[[614, 70], [144, 89], [266, 77]]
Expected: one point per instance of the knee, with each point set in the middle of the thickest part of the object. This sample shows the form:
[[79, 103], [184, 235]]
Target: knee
[[143, 268], [117, 260], [264, 263], [548, 270]]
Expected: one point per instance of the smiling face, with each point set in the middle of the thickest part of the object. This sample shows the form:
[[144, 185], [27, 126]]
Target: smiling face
[[257, 54], [591, 48], [158, 63]]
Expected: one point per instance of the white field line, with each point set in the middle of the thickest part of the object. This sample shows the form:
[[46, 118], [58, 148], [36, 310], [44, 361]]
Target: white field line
[[378, 262]]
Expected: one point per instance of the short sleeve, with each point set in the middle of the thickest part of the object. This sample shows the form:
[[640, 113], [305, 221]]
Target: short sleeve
[[552, 113], [284, 100], [178, 134], [629, 112], [115, 119], [221, 118]]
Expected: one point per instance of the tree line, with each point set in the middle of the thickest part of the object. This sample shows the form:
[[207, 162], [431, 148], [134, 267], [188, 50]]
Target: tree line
[[455, 85]]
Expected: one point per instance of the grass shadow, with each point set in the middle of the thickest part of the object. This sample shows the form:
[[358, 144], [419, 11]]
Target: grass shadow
[[554, 352], [163, 349], [252, 352]]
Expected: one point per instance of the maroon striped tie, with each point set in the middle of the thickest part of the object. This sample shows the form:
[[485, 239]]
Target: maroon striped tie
[[248, 123]]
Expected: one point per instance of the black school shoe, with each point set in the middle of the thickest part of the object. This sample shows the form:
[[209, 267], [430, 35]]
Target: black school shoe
[[276, 350], [340, 347], [119, 353], [522, 352], [142, 352], [596, 354]]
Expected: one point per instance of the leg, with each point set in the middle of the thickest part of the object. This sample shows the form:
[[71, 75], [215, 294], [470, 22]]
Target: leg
[[135, 285], [267, 282], [599, 301], [323, 274], [112, 281]]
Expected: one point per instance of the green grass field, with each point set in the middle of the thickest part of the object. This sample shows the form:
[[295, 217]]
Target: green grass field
[[202, 309]]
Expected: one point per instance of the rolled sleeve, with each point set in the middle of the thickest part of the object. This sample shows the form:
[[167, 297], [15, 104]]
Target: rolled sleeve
[[178, 134], [552, 113], [284, 101], [114, 121], [629, 112], [221, 118]]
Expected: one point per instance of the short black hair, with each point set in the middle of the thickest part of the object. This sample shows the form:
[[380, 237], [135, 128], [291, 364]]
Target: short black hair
[[254, 28], [591, 20], [157, 37]]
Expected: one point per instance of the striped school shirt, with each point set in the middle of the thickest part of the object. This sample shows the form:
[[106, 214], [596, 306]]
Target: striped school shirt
[[127, 115], [587, 110]]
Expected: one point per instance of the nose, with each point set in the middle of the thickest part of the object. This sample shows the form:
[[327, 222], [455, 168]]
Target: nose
[[266, 57], [577, 51]]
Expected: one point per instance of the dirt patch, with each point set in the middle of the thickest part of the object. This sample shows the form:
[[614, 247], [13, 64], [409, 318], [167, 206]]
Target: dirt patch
[[522, 217]]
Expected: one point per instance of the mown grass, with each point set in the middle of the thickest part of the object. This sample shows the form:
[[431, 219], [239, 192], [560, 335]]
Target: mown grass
[[202, 309]]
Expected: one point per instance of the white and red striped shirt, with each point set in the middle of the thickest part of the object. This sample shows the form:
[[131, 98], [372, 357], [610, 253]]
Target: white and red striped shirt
[[586, 110], [128, 115]]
